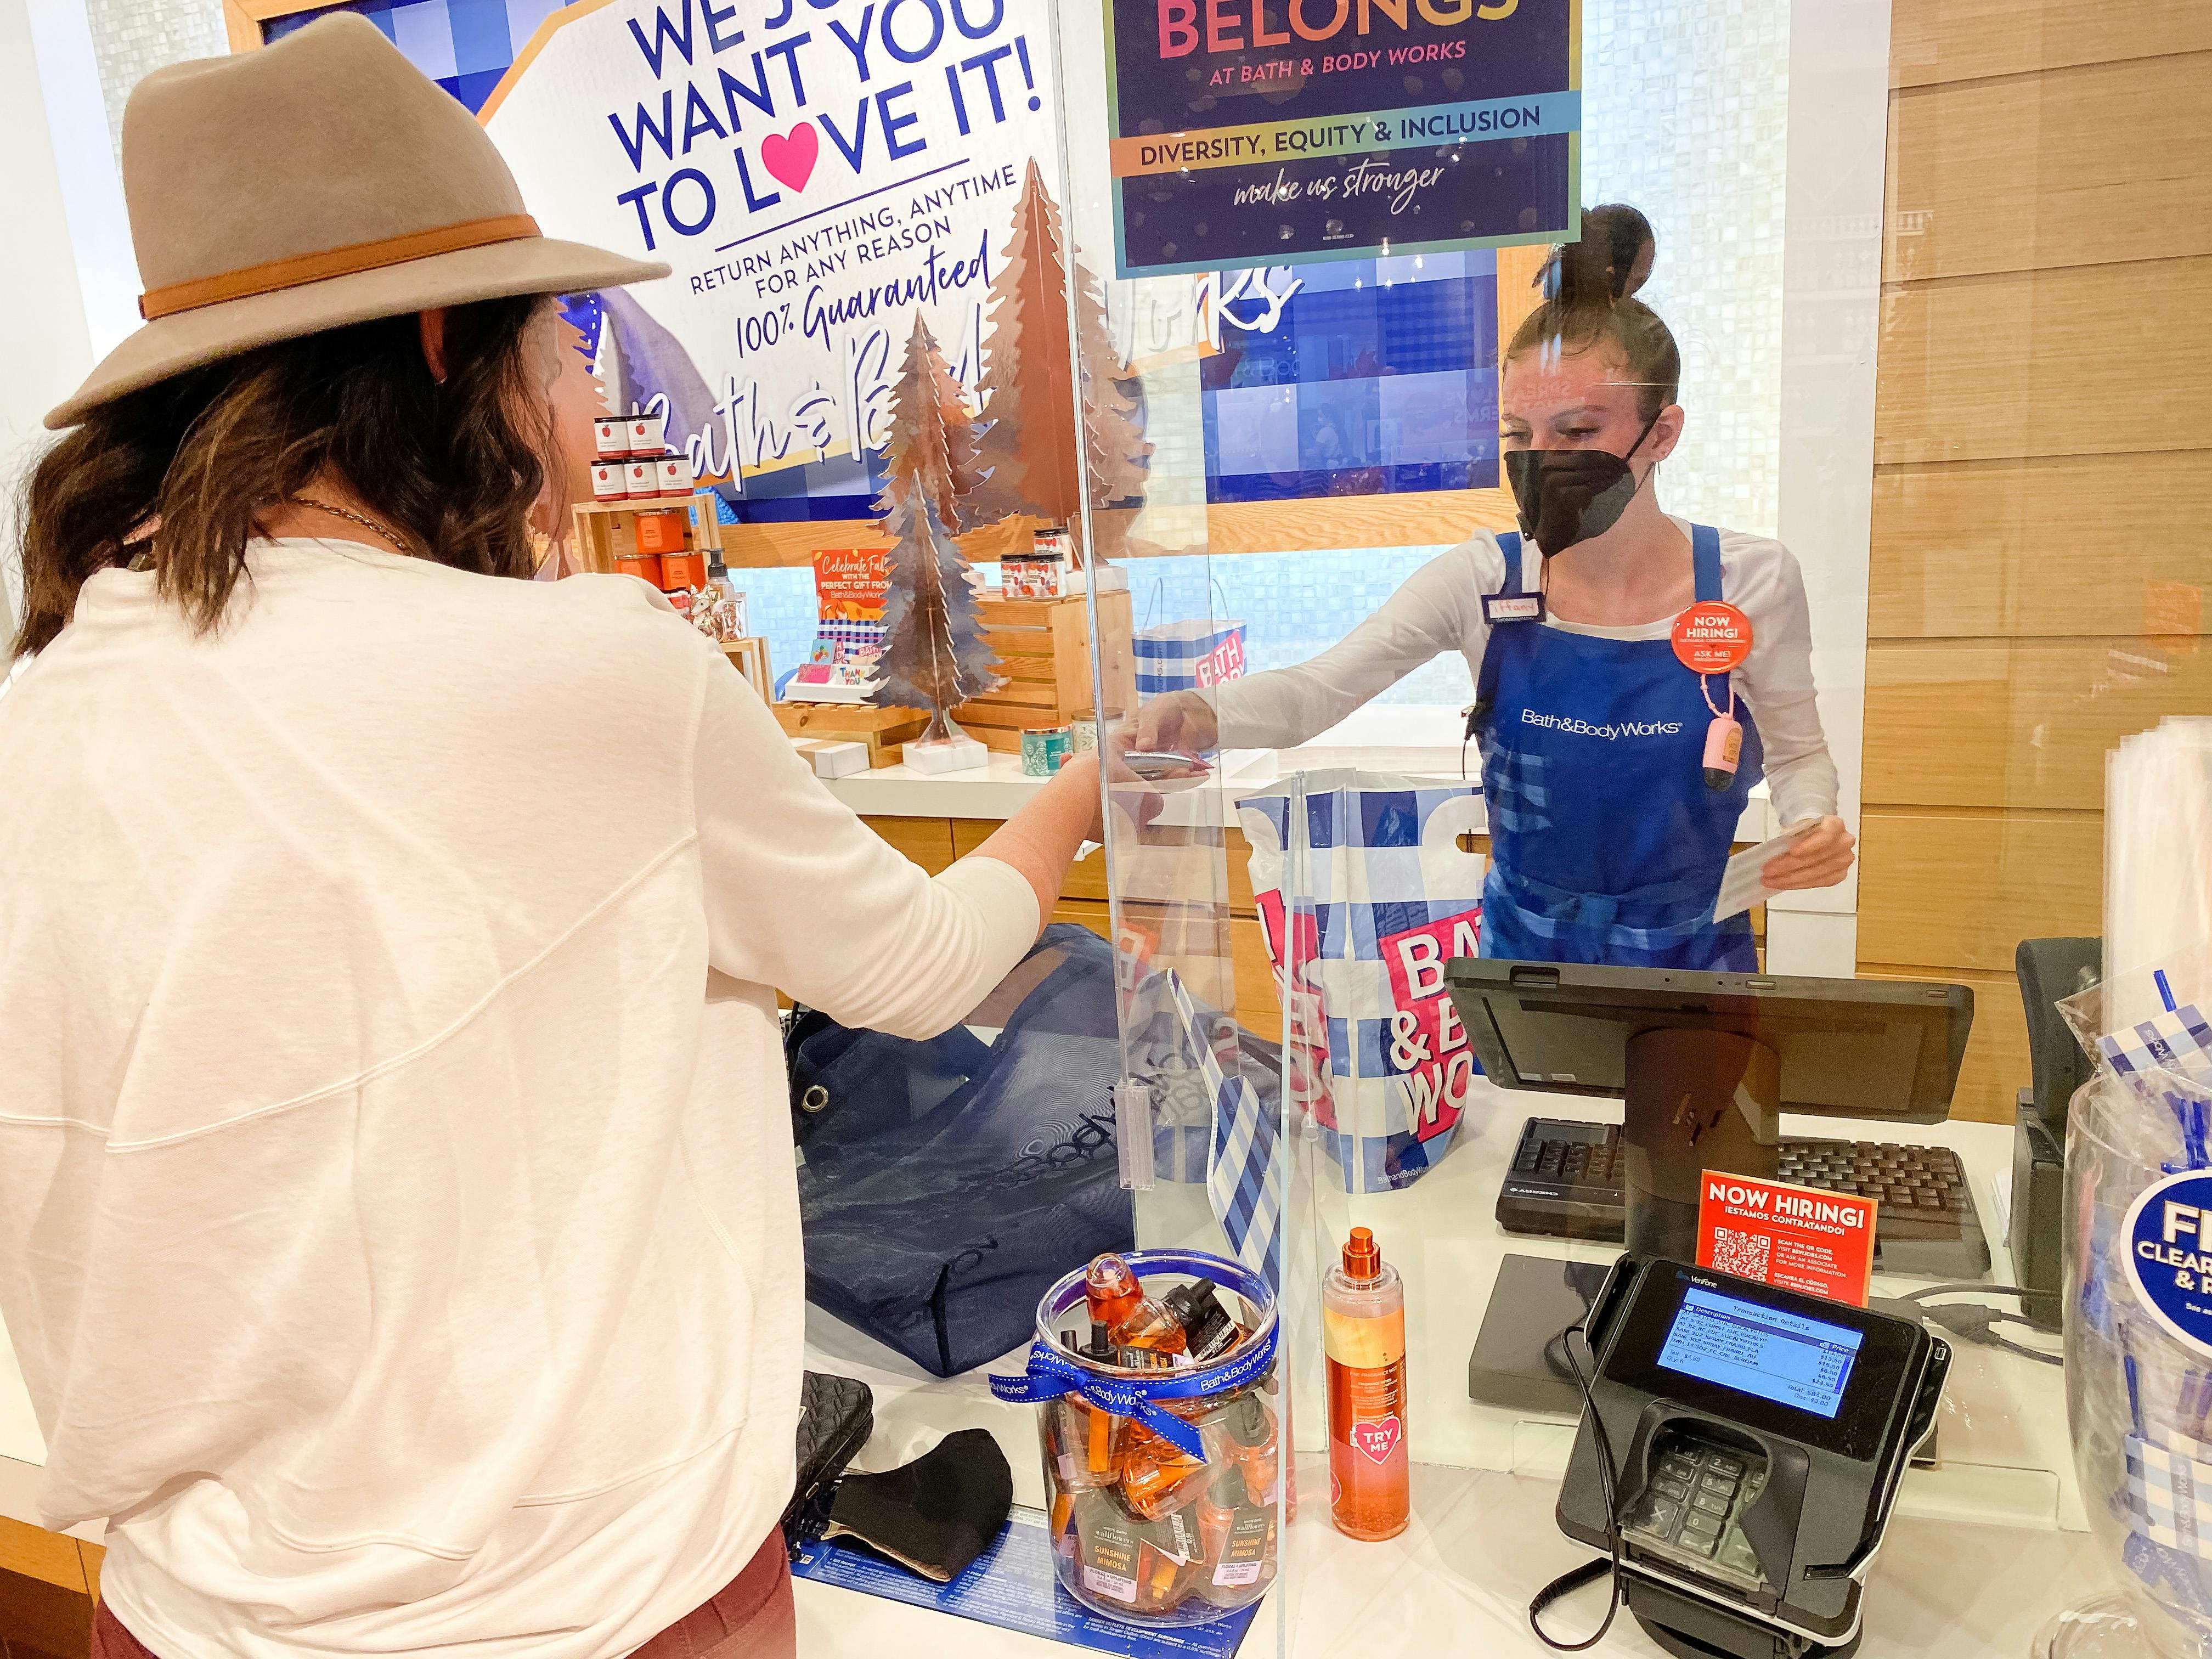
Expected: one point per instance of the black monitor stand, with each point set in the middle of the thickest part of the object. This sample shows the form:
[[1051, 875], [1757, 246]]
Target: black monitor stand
[[1696, 1100]]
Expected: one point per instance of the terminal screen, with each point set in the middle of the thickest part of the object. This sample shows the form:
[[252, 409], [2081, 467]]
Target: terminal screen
[[1754, 1349]]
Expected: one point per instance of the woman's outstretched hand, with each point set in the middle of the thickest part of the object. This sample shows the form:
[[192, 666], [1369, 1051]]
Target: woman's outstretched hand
[[1821, 857]]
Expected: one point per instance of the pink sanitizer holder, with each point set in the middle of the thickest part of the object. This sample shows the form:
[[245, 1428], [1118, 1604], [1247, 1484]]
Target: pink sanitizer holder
[[1723, 747]]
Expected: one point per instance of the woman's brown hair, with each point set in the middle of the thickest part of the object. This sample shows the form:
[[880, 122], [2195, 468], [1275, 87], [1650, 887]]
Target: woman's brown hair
[[454, 467], [1587, 285]]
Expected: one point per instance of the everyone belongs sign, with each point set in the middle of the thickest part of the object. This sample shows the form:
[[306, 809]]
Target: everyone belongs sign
[[1277, 132]]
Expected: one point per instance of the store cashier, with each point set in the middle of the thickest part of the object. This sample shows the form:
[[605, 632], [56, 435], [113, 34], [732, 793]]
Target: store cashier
[[1613, 772]]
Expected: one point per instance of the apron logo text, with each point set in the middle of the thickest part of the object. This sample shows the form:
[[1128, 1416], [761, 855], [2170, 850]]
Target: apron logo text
[[1577, 726]]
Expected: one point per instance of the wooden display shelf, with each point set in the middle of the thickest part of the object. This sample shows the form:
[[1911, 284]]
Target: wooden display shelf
[[604, 532], [1329, 523], [882, 729], [1044, 653], [749, 656]]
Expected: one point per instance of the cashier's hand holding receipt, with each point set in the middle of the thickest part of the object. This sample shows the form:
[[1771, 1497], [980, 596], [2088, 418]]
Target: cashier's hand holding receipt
[[1613, 771]]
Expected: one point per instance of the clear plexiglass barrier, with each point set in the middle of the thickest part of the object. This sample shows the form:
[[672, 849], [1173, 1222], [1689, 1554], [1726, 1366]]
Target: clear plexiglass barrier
[[1278, 1073]]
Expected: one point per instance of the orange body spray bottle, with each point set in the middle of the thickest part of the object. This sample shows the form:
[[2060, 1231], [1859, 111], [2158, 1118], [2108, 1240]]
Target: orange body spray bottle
[[1364, 1332]]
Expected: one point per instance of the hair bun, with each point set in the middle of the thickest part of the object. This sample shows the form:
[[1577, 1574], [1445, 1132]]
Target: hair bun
[[1601, 268]]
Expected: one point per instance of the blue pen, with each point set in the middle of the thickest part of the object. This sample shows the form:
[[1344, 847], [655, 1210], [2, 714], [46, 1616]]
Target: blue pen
[[2164, 991], [2127, 1367], [2195, 1130]]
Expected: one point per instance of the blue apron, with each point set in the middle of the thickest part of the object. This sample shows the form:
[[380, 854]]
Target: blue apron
[[1606, 844]]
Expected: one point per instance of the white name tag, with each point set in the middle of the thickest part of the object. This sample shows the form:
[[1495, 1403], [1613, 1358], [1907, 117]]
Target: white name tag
[[1512, 607]]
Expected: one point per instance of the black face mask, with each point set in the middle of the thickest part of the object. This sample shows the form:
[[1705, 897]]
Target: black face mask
[[1569, 496]]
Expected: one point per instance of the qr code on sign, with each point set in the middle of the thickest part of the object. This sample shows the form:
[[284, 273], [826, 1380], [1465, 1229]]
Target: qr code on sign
[[1744, 1254]]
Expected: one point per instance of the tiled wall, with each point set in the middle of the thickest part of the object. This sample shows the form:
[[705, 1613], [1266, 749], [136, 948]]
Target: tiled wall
[[133, 38], [1685, 105], [1293, 605]]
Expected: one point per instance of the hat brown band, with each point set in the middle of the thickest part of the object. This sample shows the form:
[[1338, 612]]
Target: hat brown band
[[276, 275]]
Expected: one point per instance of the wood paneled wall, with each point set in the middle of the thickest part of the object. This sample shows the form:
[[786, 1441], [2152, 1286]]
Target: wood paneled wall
[[2042, 477], [49, 1583]]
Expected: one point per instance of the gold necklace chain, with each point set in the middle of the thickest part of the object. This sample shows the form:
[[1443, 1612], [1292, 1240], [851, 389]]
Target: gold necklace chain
[[383, 530]]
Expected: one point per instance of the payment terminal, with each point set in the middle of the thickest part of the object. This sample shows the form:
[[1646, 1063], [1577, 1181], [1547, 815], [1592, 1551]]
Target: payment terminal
[[1740, 1449]]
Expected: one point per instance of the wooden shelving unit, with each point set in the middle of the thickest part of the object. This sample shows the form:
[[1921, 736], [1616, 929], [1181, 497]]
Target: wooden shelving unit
[[883, 729], [1044, 653], [604, 530]]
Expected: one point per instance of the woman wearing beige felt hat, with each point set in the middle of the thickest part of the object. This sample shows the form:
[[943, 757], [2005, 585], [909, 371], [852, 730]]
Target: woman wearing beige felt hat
[[398, 1227]]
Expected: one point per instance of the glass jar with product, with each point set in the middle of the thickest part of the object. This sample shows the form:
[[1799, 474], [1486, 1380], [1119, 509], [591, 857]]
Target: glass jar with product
[[1036, 574], [1045, 750], [1154, 1376]]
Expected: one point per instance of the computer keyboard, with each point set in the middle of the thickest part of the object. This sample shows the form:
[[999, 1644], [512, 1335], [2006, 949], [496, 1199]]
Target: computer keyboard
[[1564, 1183]]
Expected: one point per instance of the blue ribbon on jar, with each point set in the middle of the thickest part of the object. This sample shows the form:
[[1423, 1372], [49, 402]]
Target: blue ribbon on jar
[[1053, 1372]]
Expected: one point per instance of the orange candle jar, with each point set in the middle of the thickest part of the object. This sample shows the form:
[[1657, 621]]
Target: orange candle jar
[[662, 533], [683, 570], [645, 566]]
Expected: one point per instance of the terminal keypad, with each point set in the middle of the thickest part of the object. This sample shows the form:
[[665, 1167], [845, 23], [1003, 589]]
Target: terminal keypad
[[1688, 1511]]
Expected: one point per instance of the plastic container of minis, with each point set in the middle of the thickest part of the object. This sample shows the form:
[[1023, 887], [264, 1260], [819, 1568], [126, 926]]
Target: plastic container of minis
[[1142, 1531]]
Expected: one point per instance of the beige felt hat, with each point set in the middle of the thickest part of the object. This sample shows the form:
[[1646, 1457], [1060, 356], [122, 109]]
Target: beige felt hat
[[321, 181]]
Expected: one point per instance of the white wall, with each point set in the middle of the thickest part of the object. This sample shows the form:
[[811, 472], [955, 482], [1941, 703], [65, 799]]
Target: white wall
[[81, 112], [1687, 105], [65, 262], [1752, 133], [49, 349], [1831, 295]]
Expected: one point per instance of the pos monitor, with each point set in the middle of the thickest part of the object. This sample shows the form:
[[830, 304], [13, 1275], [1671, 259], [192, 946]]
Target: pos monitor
[[1707, 1062]]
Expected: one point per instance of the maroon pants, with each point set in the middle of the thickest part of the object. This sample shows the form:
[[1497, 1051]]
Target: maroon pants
[[751, 1617]]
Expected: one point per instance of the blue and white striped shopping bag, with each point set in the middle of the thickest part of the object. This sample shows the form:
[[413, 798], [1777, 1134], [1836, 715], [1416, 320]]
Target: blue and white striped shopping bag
[[1364, 894], [1212, 1123], [1244, 1178], [1187, 655]]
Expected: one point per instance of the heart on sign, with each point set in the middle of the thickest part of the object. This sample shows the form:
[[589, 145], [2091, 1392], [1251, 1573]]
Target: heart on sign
[[1377, 1439], [789, 156]]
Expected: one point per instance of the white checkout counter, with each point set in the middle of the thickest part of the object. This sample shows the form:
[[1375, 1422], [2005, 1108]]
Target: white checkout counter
[[1986, 1544], [1420, 743]]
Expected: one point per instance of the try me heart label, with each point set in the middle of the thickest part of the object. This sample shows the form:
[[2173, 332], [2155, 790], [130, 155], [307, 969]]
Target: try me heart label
[[1377, 1439]]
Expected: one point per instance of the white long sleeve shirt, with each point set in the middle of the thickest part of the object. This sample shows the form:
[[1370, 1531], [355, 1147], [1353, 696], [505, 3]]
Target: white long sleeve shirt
[[399, 1229], [1440, 609]]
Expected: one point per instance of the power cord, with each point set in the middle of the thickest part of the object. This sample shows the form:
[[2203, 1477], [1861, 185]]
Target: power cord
[[1970, 1323], [1567, 1584]]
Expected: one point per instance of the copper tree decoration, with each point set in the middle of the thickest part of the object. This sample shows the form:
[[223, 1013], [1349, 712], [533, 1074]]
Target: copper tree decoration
[[934, 655], [579, 397], [1028, 450]]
